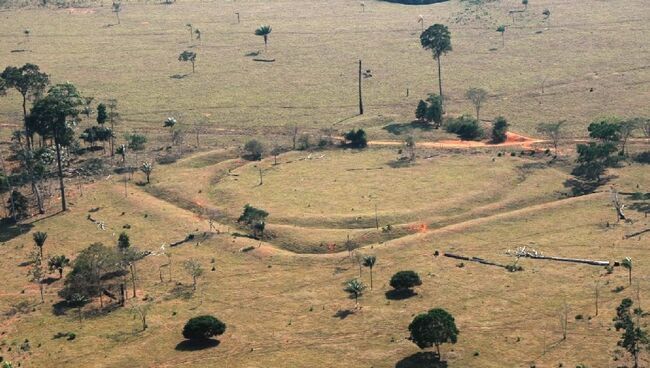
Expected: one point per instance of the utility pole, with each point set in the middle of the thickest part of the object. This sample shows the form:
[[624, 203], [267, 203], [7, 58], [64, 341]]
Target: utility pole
[[360, 97]]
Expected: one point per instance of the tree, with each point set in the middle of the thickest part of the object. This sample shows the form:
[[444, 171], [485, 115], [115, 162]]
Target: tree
[[121, 150], [194, 269], [500, 130], [36, 273], [421, 110], [552, 131], [593, 159], [123, 241], [355, 288], [605, 130], [502, 29], [465, 127], [409, 147], [627, 264], [17, 205], [369, 261], [644, 124], [477, 96], [404, 281], [254, 149], [634, 338], [113, 116], [437, 38], [30, 82], [255, 218], [136, 142], [58, 263], [433, 328], [141, 310], [546, 13], [188, 56], [203, 328], [54, 115], [39, 240], [627, 127], [147, 169], [525, 4], [102, 115], [434, 110], [117, 8], [356, 138], [190, 28], [34, 165], [264, 31], [77, 301]]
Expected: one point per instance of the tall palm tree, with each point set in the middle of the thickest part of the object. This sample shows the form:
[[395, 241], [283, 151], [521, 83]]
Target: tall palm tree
[[355, 288], [264, 31], [39, 239], [437, 38], [369, 261], [627, 264]]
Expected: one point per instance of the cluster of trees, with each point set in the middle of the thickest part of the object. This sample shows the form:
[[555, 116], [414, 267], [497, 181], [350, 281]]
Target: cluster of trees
[[255, 219], [430, 111]]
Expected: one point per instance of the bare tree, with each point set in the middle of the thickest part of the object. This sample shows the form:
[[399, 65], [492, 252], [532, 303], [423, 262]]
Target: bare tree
[[552, 131], [141, 310], [194, 269], [564, 319], [477, 96]]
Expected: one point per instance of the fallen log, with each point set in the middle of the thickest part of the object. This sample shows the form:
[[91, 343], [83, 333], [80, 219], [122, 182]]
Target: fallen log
[[637, 233], [474, 259], [532, 253]]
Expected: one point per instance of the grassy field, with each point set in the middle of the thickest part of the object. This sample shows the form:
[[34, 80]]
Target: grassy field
[[312, 83], [282, 299], [281, 308]]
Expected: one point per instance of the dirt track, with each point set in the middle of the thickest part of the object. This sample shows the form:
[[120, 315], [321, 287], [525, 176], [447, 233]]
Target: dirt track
[[513, 140]]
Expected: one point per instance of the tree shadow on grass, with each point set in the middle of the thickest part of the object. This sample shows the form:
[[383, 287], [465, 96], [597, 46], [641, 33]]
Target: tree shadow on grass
[[9, 231], [194, 345], [400, 294], [399, 128], [343, 313], [423, 359], [178, 76]]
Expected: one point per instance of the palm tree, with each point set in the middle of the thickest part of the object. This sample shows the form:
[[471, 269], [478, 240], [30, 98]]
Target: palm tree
[[188, 56], [437, 39], [264, 31], [502, 29], [369, 261], [147, 169], [355, 288], [58, 263], [627, 264], [40, 238], [117, 8]]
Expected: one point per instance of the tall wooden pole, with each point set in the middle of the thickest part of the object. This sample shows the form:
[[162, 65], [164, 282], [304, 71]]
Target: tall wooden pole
[[360, 96]]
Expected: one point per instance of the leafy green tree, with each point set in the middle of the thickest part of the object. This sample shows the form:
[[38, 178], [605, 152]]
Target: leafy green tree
[[606, 130], [255, 219], [500, 130], [254, 149], [434, 328], [370, 261], [355, 288], [552, 131], [404, 281], [36, 273], [502, 29], [437, 38], [467, 128], [39, 240], [594, 159], [434, 110], [147, 169], [136, 142], [30, 82], [194, 269], [53, 114], [102, 115], [264, 31], [627, 264], [58, 263], [634, 338], [477, 96], [123, 241], [421, 110], [203, 328], [188, 56], [525, 4], [356, 138]]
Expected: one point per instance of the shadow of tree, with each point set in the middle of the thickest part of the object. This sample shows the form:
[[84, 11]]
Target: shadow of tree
[[343, 313], [194, 345], [178, 76], [10, 231], [400, 294], [423, 359], [399, 128]]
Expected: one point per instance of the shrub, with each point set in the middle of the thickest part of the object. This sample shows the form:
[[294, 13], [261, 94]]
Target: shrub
[[254, 149], [203, 327], [467, 128], [356, 139], [643, 157], [499, 130], [404, 280]]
